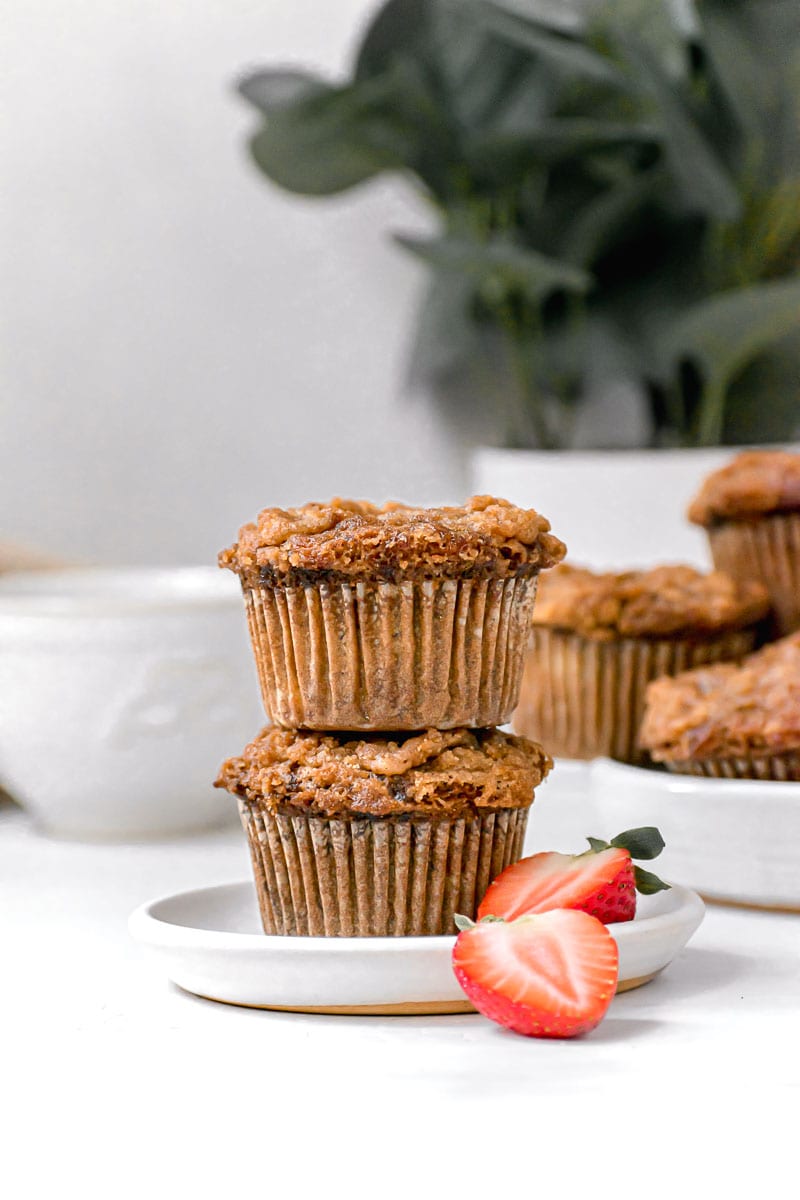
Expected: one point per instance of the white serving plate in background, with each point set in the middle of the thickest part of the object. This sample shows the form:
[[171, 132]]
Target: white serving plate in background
[[209, 941], [733, 840]]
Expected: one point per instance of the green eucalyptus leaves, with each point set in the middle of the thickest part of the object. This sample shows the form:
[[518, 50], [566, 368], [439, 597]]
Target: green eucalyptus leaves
[[615, 180]]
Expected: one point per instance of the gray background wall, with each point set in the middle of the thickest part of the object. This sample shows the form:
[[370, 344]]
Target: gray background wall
[[181, 343]]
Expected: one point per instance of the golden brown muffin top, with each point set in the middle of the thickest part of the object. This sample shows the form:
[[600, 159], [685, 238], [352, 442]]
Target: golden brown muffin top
[[664, 602], [356, 538], [754, 484], [434, 773], [725, 711]]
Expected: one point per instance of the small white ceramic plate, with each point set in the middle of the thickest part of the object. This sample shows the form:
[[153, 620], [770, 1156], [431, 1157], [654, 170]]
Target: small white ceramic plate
[[734, 840], [209, 942]]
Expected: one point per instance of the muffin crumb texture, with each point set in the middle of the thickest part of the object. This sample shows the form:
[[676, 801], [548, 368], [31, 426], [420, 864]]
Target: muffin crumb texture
[[355, 538], [433, 773], [756, 483], [727, 711], [664, 602]]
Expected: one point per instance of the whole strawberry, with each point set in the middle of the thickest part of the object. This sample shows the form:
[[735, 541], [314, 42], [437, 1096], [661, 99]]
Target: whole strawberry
[[552, 975], [603, 881]]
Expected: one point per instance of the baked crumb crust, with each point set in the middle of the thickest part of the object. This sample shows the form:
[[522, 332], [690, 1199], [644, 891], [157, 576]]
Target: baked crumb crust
[[754, 484], [353, 538], [727, 711], [664, 602], [433, 773]]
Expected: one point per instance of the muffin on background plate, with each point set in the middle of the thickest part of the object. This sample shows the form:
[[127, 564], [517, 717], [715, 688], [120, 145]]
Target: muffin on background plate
[[727, 721], [366, 618], [384, 834], [750, 510], [599, 639]]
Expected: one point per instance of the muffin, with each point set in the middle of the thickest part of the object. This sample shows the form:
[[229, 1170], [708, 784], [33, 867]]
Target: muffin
[[367, 618], [750, 510], [727, 721], [381, 834], [598, 640]]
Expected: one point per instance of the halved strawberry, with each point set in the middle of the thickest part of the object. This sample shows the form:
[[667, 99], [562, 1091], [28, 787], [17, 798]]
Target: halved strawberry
[[552, 975], [602, 881]]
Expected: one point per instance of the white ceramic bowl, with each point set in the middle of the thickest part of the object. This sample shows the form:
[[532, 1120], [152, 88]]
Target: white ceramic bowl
[[731, 839], [121, 691], [209, 941]]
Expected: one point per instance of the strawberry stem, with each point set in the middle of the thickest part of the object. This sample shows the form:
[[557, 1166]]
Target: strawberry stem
[[644, 843], [463, 922]]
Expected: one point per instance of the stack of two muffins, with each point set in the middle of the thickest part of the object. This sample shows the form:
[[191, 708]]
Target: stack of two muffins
[[389, 644]]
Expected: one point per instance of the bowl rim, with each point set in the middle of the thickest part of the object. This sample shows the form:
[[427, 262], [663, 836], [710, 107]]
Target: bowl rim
[[110, 591]]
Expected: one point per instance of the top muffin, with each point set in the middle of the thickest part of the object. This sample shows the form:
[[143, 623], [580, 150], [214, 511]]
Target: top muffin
[[663, 602], [756, 483], [394, 617], [485, 537]]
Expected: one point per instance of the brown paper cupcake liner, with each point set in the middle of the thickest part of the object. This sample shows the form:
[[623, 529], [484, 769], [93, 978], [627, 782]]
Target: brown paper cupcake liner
[[768, 550], [413, 655], [368, 877], [584, 699], [782, 768]]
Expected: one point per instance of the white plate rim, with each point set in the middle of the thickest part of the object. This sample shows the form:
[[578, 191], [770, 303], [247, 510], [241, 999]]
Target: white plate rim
[[149, 929], [781, 791]]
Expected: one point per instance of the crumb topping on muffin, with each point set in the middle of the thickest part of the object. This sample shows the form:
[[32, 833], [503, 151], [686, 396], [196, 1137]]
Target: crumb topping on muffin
[[356, 538], [433, 773], [664, 602], [725, 711], [756, 483]]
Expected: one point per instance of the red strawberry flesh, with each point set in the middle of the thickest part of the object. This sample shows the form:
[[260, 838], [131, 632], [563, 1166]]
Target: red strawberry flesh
[[601, 884], [551, 975]]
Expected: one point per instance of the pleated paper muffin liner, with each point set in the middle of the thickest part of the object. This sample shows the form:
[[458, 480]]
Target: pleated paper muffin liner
[[379, 876], [766, 549], [782, 768], [414, 655], [585, 699]]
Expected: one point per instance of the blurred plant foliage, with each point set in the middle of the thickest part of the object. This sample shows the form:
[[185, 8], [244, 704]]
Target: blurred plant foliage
[[613, 178]]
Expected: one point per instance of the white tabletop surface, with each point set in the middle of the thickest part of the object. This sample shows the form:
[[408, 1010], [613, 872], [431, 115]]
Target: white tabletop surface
[[111, 1072]]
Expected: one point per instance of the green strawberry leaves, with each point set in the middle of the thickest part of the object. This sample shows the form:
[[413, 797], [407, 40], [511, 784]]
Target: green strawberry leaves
[[644, 843], [647, 883]]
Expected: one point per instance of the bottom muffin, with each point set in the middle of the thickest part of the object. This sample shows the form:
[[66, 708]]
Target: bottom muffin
[[730, 722], [380, 835]]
